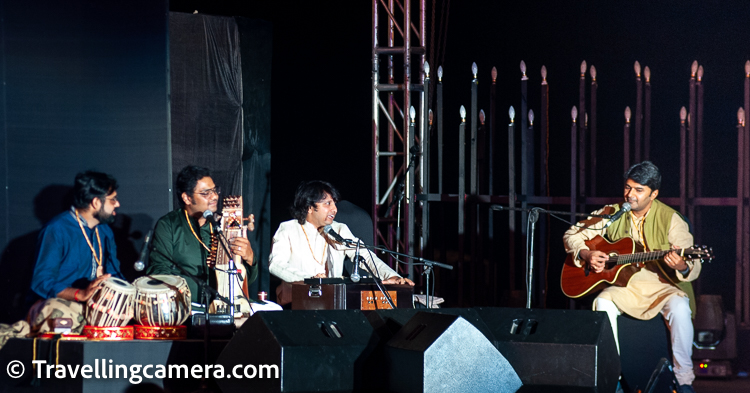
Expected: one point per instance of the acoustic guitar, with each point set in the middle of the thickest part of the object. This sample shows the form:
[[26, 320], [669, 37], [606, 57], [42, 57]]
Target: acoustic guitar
[[626, 257]]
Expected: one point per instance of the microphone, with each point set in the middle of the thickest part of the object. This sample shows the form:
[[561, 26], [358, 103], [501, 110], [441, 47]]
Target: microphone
[[355, 277], [209, 216], [329, 230], [139, 265], [624, 209]]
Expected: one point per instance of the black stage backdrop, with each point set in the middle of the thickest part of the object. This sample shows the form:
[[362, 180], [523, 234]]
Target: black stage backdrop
[[256, 50], [220, 79], [84, 87], [87, 86]]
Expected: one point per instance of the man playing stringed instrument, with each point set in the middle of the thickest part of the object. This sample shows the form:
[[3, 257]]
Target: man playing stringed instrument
[[76, 251], [660, 286], [183, 236]]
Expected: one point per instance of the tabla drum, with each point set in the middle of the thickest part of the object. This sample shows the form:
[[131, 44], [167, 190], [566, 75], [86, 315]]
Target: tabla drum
[[111, 304], [162, 300]]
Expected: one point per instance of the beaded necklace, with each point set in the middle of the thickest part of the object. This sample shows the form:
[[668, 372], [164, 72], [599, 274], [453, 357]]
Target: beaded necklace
[[99, 269], [325, 247], [210, 226]]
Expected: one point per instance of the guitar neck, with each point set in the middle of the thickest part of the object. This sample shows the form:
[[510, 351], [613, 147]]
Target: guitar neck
[[641, 257]]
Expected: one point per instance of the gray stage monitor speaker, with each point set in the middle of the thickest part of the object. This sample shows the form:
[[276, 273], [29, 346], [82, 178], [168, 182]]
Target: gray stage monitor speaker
[[445, 353], [313, 351], [556, 350]]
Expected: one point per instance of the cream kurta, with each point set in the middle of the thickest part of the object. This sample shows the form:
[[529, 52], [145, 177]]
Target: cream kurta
[[645, 295], [300, 252]]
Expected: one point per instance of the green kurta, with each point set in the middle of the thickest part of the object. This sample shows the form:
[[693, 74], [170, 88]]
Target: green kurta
[[174, 241]]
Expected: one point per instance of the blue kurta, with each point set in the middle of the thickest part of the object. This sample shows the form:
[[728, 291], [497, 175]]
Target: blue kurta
[[64, 258]]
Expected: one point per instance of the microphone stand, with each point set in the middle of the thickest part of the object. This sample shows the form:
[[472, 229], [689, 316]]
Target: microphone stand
[[398, 195], [429, 265], [208, 294], [533, 217], [232, 271], [355, 269]]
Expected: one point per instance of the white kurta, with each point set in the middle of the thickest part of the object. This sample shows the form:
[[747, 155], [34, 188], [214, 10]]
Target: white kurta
[[300, 251]]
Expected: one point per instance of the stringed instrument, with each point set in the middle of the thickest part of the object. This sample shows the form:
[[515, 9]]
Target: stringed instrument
[[626, 257], [231, 226]]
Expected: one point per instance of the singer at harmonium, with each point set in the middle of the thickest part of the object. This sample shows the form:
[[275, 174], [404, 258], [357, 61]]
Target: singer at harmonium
[[183, 237], [302, 249], [75, 253]]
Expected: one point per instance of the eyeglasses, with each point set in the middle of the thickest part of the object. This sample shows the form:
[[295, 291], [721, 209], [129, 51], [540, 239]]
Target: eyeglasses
[[113, 199], [207, 193]]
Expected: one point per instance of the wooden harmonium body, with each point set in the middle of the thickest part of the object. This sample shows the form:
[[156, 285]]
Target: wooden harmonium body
[[343, 294]]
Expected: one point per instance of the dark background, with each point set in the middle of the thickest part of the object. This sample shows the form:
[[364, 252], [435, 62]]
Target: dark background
[[321, 94]]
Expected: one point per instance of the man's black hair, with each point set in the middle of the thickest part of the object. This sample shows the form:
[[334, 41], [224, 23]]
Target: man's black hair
[[308, 193], [187, 179], [89, 185], [645, 173]]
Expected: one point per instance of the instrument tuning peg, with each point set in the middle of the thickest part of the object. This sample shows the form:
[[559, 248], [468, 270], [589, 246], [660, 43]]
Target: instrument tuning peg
[[250, 222]]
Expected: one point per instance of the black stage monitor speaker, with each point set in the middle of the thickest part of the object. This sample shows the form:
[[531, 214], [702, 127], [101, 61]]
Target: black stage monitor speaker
[[557, 350], [388, 322], [308, 350], [642, 345], [445, 353]]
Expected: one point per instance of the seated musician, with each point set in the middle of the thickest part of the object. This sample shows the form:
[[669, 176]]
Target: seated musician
[[661, 286], [183, 237], [301, 251], [75, 252]]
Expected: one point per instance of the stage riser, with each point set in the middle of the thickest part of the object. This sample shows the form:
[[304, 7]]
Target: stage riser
[[566, 351]]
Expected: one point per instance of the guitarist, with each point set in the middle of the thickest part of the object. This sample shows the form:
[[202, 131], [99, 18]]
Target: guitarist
[[662, 286]]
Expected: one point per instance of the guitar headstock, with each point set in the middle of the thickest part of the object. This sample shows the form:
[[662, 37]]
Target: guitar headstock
[[701, 253]]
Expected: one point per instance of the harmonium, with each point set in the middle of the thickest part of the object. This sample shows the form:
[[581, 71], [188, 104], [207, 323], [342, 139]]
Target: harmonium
[[343, 294]]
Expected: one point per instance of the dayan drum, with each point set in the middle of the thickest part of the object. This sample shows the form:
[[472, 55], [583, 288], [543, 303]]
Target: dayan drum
[[111, 304], [162, 300]]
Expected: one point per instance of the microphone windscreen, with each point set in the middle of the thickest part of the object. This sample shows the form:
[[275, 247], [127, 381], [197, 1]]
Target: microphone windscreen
[[139, 266], [626, 206]]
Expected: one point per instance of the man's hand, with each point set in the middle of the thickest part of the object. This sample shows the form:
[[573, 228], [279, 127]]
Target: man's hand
[[320, 275], [241, 246], [595, 259], [398, 280], [86, 294], [675, 261]]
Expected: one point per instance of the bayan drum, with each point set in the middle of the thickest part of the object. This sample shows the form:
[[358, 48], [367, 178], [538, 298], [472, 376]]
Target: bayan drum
[[162, 300], [111, 304]]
